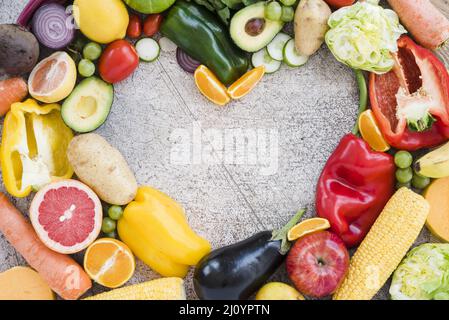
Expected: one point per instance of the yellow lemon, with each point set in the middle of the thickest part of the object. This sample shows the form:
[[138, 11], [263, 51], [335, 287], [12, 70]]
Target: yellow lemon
[[278, 291], [101, 21]]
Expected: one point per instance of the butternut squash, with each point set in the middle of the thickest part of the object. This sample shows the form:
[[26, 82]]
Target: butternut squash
[[437, 194]]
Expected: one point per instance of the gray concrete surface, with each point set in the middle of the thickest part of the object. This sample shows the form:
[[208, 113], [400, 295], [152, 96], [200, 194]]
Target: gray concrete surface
[[307, 109]]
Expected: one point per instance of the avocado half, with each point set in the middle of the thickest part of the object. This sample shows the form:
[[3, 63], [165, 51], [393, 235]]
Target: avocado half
[[150, 6], [88, 105], [250, 30]]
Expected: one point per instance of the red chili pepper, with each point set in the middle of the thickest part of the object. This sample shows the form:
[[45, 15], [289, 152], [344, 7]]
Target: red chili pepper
[[152, 24], [411, 102], [354, 187], [134, 30]]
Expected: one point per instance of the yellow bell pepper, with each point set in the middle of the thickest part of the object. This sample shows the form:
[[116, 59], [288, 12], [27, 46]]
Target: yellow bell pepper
[[155, 228], [33, 149]]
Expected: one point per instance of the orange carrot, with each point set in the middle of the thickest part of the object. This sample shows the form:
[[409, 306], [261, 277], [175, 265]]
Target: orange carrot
[[423, 20], [11, 91], [61, 272]]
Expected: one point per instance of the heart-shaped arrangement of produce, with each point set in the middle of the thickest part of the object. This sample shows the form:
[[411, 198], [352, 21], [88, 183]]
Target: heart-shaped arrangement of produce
[[382, 184]]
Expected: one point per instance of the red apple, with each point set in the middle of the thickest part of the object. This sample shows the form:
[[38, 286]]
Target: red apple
[[317, 263]]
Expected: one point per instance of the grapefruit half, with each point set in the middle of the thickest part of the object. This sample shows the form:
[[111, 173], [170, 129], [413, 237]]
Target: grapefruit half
[[53, 79], [66, 215]]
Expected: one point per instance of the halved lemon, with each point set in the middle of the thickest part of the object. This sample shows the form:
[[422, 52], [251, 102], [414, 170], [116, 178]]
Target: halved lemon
[[246, 83], [370, 132], [306, 227], [210, 86], [109, 262], [53, 79]]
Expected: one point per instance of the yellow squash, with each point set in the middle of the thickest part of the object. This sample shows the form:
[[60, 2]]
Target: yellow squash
[[33, 149], [156, 229]]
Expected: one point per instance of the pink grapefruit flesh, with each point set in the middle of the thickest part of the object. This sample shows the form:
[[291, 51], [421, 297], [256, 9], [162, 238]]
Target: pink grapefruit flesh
[[66, 215]]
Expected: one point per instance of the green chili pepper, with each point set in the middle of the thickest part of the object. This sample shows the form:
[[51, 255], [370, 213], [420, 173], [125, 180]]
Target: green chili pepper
[[200, 34], [363, 97]]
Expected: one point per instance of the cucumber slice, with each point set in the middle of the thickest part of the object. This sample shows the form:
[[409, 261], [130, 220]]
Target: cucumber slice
[[276, 46], [291, 57], [262, 57], [147, 49]]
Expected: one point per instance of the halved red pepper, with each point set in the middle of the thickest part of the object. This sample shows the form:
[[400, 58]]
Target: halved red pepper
[[354, 187], [411, 102]]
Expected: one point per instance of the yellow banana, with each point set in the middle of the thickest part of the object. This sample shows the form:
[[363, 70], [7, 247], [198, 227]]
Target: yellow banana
[[435, 164]]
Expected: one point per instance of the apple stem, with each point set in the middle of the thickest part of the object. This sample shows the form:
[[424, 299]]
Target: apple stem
[[281, 234]]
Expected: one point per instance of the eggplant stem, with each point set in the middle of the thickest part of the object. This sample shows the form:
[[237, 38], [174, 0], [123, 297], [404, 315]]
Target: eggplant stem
[[281, 234], [363, 98]]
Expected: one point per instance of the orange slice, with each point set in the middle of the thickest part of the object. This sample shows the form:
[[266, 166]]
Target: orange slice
[[371, 133], [246, 83], [210, 86], [109, 262], [53, 79], [306, 227]]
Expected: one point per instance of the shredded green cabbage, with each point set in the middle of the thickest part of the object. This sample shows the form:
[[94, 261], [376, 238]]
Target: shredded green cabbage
[[423, 274], [363, 36]]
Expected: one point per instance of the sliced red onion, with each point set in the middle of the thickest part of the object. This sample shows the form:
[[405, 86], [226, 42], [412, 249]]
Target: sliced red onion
[[186, 62], [30, 8], [52, 26]]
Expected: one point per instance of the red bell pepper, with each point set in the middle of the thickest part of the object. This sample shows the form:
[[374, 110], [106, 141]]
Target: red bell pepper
[[354, 187], [411, 102]]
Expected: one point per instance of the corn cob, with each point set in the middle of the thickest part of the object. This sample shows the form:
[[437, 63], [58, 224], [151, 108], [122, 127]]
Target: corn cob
[[159, 289], [383, 248]]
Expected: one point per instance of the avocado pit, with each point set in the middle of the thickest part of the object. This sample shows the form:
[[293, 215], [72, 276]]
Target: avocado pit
[[255, 26]]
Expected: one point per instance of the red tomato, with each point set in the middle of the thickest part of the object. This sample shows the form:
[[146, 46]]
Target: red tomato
[[337, 4], [152, 24], [134, 27], [118, 61]]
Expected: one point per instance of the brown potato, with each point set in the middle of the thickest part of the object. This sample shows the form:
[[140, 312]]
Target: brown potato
[[311, 18], [103, 168]]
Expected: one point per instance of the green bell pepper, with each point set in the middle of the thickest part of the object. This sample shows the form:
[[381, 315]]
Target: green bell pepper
[[198, 32]]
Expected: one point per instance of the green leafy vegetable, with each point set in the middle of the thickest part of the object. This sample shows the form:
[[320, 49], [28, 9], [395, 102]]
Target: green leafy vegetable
[[233, 4], [363, 35], [225, 8], [423, 274], [221, 7]]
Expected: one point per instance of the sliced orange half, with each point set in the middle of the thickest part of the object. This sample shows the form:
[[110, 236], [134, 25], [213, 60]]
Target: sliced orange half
[[246, 83], [306, 227], [210, 86], [371, 133], [109, 262]]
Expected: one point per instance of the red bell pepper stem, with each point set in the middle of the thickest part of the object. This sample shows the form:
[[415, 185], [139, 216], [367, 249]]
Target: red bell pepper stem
[[363, 98]]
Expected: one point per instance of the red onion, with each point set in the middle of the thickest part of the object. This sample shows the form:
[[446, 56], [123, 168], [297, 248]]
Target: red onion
[[186, 62], [52, 26], [30, 8]]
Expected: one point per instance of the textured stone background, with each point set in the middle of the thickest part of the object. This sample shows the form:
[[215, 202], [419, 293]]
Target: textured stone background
[[310, 108]]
